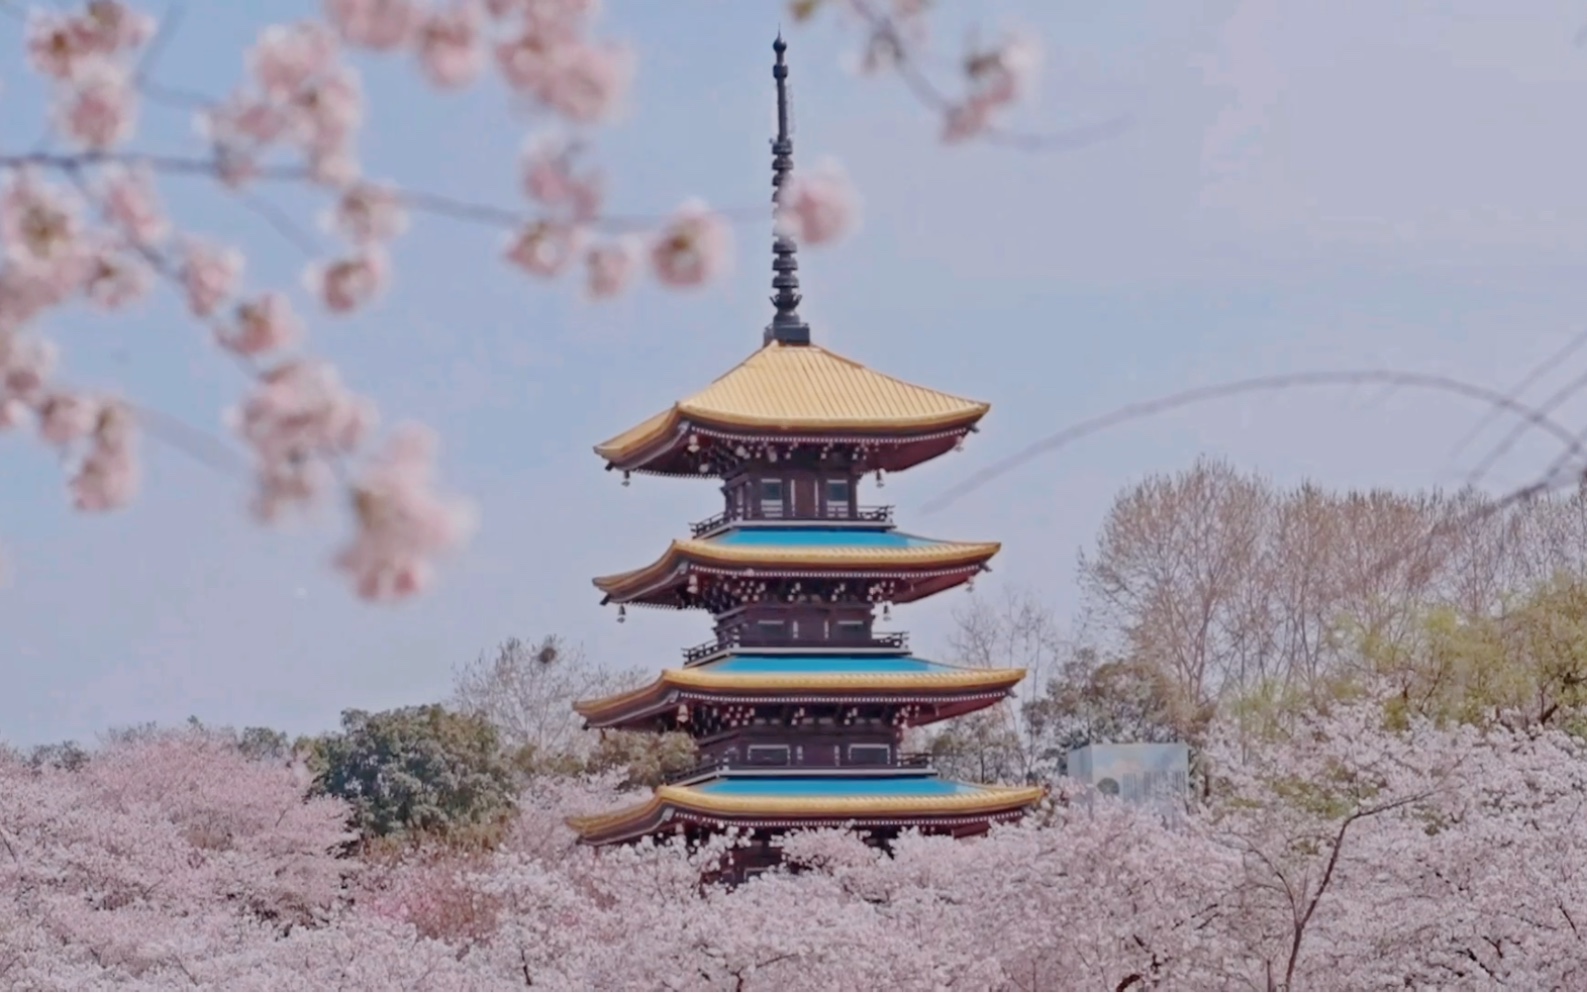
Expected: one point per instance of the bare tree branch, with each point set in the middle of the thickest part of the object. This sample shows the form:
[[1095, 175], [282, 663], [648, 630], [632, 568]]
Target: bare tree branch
[[1260, 384]]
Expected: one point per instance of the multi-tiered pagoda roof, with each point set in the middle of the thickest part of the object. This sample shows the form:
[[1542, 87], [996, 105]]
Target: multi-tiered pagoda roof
[[797, 703], [800, 394]]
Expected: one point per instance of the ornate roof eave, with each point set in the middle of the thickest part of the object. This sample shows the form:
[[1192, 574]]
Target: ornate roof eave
[[792, 811], [947, 704], [657, 454], [792, 563], [833, 687]]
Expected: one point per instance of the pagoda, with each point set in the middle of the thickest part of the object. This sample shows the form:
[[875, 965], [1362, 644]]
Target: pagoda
[[798, 705]]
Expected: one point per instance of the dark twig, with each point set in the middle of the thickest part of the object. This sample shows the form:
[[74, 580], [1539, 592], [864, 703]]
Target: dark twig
[[279, 219], [934, 98], [197, 444], [1516, 432], [173, 96], [1546, 407], [432, 203], [1149, 408], [162, 37]]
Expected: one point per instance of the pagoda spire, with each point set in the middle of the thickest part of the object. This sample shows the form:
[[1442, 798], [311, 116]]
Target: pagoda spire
[[786, 326]]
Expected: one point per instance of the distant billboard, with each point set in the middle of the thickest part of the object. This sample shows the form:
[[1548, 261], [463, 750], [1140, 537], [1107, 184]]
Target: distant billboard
[[1136, 773]]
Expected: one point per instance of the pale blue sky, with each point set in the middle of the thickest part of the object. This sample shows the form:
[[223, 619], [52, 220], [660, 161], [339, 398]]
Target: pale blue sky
[[1308, 185]]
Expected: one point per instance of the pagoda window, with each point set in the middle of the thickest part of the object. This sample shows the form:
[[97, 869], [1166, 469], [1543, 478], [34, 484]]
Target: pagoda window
[[773, 630], [771, 498], [838, 495], [768, 755], [870, 754], [851, 630]]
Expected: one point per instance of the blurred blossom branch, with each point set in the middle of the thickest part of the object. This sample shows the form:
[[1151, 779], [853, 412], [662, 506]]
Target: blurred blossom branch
[[83, 221], [993, 78]]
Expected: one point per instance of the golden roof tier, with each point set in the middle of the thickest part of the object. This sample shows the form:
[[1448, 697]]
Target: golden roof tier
[[880, 566], [708, 697], [796, 395], [784, 802]]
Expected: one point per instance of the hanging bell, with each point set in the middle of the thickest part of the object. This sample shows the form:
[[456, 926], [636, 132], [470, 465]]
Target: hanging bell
[[622, 614], [887, 611], [880, 481], [626, 480]]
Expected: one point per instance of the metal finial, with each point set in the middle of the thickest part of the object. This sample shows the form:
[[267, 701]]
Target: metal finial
[[785, 327]]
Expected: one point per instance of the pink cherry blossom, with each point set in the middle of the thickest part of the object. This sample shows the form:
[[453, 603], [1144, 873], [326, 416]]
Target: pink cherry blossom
[[245, 121], [694, 247], [379, 25], [116, 277], [909, 30], [549, 177], [21, 299], [558, 19], [264, 324], [332, 167], [402, 524], [326, 113], [56, 46], [997, 77], [282, 486], [367, 212], [526, 61], [818, 206], [13, 413], [132, 203], [545, 248], [289, 57], [109, 27], [108, 476], [347, 284], [451, 45], [26, 364], [301, 410], [42, 235], [611, 267], [588, 81], [210, 275], [65, 418]]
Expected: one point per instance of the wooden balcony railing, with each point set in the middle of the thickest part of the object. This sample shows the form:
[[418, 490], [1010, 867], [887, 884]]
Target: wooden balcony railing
[[756, 512], [912, 761], [888, 640]]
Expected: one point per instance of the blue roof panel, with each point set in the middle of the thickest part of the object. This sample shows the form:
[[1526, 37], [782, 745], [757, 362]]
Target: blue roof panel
[[820, 538], [788, 664], [814, 786]]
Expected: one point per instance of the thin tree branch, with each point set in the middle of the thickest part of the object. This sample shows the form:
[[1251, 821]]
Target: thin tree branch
[[927, 92], [280, 220], [433, 203], [194, 442], [162, 37], [1260, 384], [1548, 406]]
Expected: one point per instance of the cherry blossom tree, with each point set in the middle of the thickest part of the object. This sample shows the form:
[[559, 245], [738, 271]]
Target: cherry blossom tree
[[1349, 848], [83, 223], [98, 864]]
